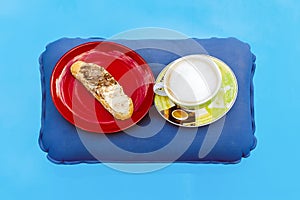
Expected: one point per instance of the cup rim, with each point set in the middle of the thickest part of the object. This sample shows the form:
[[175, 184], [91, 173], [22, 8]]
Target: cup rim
[[213, 65]]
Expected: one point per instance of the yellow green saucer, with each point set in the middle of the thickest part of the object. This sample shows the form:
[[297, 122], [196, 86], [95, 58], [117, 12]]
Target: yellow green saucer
[[211, 112]]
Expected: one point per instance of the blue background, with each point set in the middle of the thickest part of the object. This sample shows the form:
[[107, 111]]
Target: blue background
[[270, 27]]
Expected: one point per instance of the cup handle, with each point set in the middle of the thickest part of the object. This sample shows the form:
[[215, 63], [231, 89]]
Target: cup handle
[[158, 89]]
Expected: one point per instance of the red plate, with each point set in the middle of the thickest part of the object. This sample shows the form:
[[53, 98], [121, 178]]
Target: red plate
[[80, 108]]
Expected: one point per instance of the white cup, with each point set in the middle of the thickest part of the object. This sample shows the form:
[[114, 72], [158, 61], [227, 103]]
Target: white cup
[[191, 81]]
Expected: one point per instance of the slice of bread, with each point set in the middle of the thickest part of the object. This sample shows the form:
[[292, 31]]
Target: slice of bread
[[102, 85]]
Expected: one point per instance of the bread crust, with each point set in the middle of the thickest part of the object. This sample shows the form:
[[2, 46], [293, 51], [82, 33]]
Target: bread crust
[[75, 70]]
